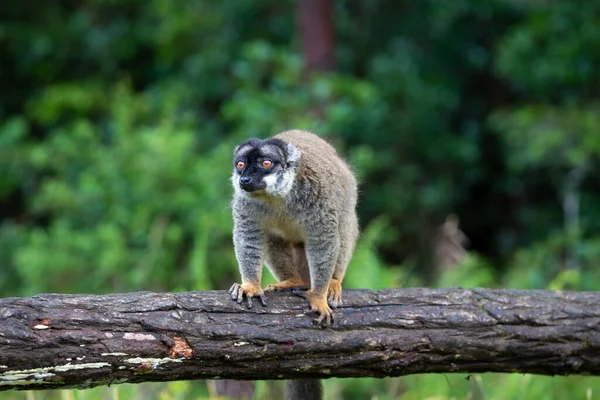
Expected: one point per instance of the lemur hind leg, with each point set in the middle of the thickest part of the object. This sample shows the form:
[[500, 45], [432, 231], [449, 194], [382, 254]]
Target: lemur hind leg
[[286, 262], [348, 230]]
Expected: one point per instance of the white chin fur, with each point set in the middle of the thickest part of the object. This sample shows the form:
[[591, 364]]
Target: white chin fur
[[279, 187], [271, 184], [236, 186]]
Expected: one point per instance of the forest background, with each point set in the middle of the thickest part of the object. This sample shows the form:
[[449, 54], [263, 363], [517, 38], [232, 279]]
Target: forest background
[[118, 119]]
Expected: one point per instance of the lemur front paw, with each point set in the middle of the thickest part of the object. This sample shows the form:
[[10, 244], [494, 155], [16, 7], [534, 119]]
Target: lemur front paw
[[288, 284], [318, 304], [249, 290]]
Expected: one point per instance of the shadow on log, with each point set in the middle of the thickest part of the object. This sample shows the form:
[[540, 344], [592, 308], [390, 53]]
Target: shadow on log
[[58, 341]]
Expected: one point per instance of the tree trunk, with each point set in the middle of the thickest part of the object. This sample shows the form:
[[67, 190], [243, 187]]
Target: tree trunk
[[58, 341], [315, 19]]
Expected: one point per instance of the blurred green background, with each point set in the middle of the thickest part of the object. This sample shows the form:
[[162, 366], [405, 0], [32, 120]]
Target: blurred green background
[[118, 119]]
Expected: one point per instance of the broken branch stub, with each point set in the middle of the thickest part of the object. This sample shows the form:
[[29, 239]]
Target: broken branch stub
[[59, 341]]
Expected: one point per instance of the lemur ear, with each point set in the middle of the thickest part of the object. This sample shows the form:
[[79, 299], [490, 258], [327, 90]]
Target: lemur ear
[[293, 155]]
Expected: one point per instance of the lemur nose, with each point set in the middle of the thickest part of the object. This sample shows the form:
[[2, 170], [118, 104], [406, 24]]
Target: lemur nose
[[244, 180]]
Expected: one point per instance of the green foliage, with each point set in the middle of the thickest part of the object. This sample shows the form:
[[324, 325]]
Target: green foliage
[[554, 52], [123, 200], [267, 97], [473, 271], [118, 120], [551, 137], [367, 269]]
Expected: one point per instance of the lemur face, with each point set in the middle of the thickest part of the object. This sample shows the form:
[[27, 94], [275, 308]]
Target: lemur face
[[264, 167]]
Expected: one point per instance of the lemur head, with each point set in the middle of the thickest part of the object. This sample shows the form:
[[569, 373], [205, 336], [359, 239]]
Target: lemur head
[[264, 167]]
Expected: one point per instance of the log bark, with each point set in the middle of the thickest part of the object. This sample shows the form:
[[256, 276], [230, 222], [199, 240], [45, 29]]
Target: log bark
[[58, 341]]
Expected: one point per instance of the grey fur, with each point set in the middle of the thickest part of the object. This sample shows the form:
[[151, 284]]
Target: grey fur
[[304, 223]]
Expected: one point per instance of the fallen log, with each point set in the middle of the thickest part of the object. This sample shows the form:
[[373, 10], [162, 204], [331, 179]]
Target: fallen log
[[59, 341]]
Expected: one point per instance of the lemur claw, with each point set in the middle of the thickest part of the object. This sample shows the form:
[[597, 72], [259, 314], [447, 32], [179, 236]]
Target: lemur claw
[[319, 306], [250, 290], [300, 293]]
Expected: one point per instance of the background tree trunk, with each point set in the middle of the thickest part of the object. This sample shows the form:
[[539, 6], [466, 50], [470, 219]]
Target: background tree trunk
[[315, 19], [58, 341]]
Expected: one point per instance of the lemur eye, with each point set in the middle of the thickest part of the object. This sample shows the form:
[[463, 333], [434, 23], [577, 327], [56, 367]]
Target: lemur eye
[[240, 165], [267, 163]]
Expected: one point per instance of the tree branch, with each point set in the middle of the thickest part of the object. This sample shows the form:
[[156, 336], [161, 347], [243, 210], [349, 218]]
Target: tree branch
[[57, 341]]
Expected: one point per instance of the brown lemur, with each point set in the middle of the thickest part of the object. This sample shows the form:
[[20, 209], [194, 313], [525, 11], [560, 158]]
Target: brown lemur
[[294, 208]]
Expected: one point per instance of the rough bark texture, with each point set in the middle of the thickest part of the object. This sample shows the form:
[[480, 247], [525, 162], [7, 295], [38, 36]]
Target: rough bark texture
[[57, 341]]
